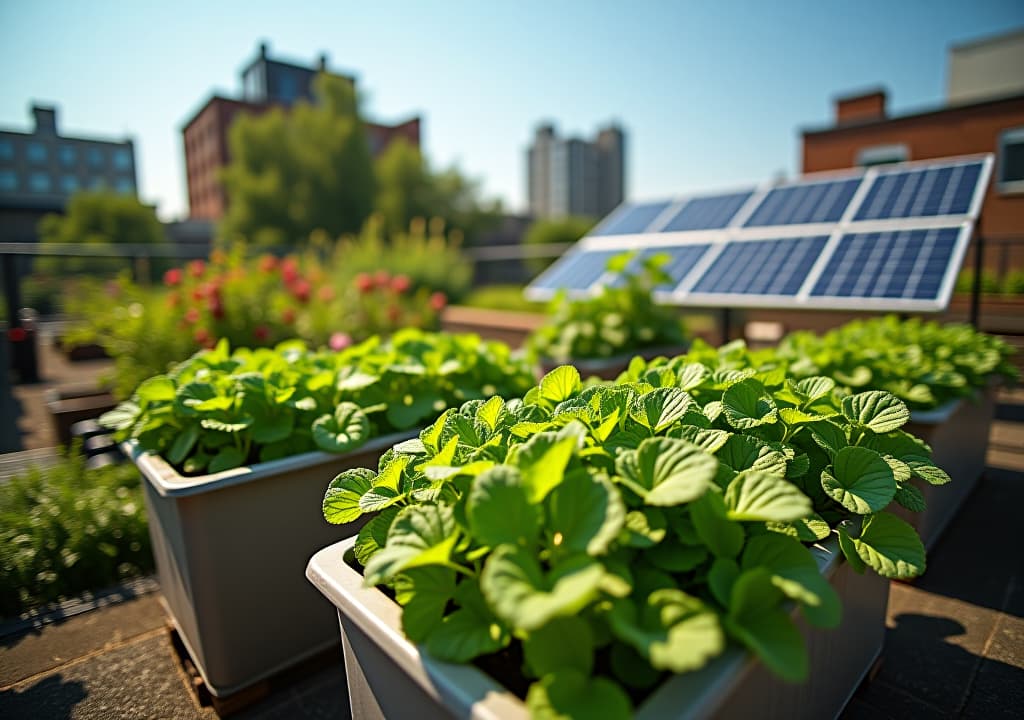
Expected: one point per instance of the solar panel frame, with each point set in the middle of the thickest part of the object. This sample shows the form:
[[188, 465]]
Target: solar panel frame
[[878, 176], [791, 191]]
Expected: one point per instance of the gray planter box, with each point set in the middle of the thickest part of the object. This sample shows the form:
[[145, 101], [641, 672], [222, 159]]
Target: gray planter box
[[389, 678], [958, 433], [229, 550]]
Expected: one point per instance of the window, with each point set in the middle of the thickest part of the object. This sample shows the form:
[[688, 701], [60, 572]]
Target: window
[[124, 185], [68, 155], [883, 154], [6, 149], [122, 159], [95, 157], [98, 183], [1010, 164], [36, 152], [8, 180], [69, 184], [39, 182]]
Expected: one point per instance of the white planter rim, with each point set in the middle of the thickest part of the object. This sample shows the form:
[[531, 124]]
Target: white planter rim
[[469, 692], [169, 483]]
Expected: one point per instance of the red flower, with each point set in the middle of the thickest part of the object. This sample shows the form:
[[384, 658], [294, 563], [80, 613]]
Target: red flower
[[216, 308], [261, 333], [382, 278], [172, 278], [340, 341], [400, 283], [198, 293], [301, 289], [438, 301], [196, 268], [290, 269], [202, 336], [288, 315], [394, 313], [325, 293], [364, 283], [192, 316], [267, 263]]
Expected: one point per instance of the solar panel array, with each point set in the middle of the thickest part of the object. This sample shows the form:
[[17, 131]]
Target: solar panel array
[[889, 237]]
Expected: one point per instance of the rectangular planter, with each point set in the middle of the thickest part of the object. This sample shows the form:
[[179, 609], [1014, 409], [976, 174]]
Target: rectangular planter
[[958, 433], [389, 678], [230, 549]]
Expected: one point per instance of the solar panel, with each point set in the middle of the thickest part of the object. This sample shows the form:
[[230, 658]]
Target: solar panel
[[631, 219], [907, 264], [707, 213], [923, 192], [762, 267], [577, 270], [682, 259], [800, 204]]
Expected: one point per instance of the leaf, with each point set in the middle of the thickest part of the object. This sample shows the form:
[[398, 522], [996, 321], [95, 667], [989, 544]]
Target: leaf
[[808, 529], [673, 630], [891, 547], [748, 405], [692, 375], [373, 535], [567, 694], [409, 409], [228, 458], [341, 501], [120, 418], [490, 412], [586, 514], [757, 620], [710, 440], [754, 495], [829, 437], [850, 550], [814, 388], [795, 572], [499, 509], [464, 635], [924, 469], [346, 429], [420, 535], [722, 536], [563, 643], [423, 593], [860, 480], [183, 444], [880, 412], [156, 389], [273, 429], [521, 594], [910, 497], [644, 528], [226, 426], [721, 577], [742, 452], [542, 460], [560, 384], [356, 381], [660, 408], [675, 557], [670, 471]]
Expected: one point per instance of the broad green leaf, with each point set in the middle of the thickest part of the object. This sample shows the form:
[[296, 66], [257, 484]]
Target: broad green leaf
[[644, 528], [499, 509], [710, 440], [571, 695], [423, 593], [660, 408], [564, 642], [891, 547], [408, 410], [722, 536], [721, 577], [156, 389], [850, 550], [346, 429], [523, 595], [183, 444], [120, 418], [813, 388], [754, 495], [490, 412], [809, 529], [692, 375], [341, 501], [908, 495], [757, 619], [228, 458], [742, 452], [923, 468], [420, 535], [226, 426], [675, 557], [876, 410], [274, 428], [795, 418], [464, 635], [356, 381], [860, 480], [748, 405], [373, 535], [560, 384], [586, 513], [795, 573], [673, 630], [542, 460], [829, 437], [671, 472], [631, 669]]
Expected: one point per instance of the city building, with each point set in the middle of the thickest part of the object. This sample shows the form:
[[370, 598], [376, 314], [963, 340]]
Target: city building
[[983, 113], [41, 169], [266, 83], [570, 176]]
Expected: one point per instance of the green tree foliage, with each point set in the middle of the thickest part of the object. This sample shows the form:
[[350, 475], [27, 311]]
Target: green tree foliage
[[101, 219], [298, 172], [555, 230], [409, 189]]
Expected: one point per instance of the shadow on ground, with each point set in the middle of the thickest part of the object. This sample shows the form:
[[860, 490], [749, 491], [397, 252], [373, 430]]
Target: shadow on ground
[[51, 698]]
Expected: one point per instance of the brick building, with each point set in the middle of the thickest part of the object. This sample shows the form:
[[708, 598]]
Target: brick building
[[266, 83], [984, 113]]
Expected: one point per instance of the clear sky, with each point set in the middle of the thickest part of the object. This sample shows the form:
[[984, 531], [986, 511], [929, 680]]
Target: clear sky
[[711, 94]]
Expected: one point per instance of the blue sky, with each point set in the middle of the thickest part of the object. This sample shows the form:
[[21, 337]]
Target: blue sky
[[711, 94]]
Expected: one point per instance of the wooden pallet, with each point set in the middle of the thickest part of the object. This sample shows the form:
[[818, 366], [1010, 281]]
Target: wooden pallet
[[227, 705]]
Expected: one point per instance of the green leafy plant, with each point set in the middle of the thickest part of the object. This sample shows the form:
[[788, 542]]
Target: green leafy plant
[[67, 529], [621, 317], [616, 533], [220, 410]]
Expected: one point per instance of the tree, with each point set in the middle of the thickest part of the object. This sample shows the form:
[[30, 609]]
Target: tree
[[292, 173], [408, 189], [546, 231], [101, 219]]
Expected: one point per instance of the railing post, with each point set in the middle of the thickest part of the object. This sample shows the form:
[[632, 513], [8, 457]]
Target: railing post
[[979, 255]]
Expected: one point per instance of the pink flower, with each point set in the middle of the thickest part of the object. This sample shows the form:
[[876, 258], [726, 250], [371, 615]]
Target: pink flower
[[267, 263], [400, 283], [340, 341], [196, 268], [301, 290], [172, 278], [290, 270], [364, 283], [438, 301], [191, 316]]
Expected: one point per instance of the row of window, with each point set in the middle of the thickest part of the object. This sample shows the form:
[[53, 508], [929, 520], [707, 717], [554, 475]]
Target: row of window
[[38, 153], [40, 182]]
